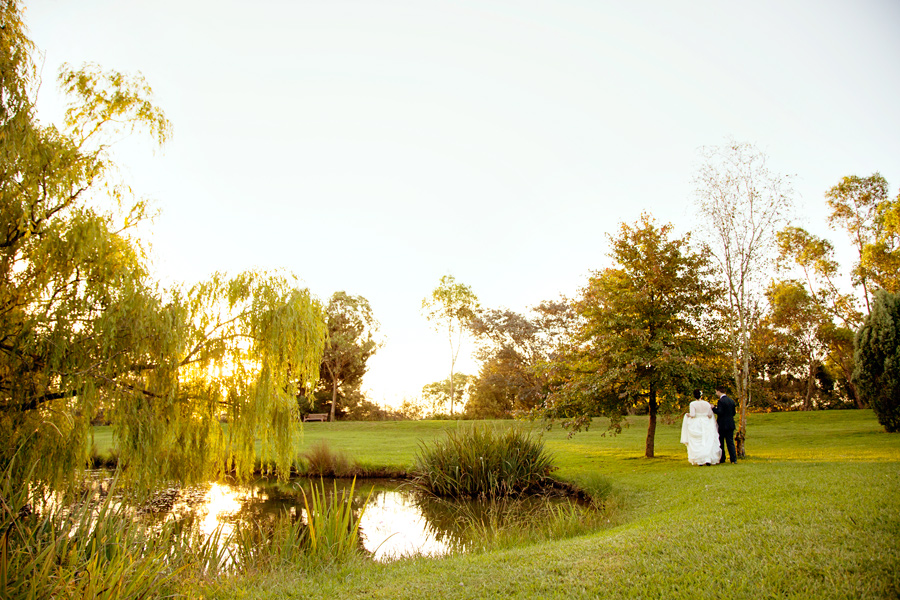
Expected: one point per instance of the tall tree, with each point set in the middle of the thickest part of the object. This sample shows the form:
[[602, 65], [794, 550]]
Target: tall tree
[[450, 308], [854, 204], [643, 338], [513, 348], [794, 313], [877, 373], [351, 343], [742, 205], [82, 325], [840, 316], [439, 394], [881, 258]]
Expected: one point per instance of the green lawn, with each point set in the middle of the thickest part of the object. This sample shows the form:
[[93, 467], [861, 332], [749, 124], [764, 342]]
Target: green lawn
[[812, 513]]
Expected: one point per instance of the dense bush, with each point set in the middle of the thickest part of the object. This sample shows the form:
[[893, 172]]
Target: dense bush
[[481, 461], [877, 356]]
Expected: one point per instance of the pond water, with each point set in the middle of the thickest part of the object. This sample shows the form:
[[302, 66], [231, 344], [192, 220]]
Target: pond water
[[396, 521]]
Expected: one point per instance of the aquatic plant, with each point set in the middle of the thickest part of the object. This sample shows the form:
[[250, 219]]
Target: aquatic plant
[[482, 461], [84, 550], [332, 523]]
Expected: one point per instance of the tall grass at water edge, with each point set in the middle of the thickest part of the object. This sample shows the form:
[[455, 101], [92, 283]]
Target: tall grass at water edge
[[480, 461], [96, 547], [84, 550], [321, 461], [332, 524]]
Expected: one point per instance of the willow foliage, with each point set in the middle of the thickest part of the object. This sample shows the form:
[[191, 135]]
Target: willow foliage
[[83, 327]]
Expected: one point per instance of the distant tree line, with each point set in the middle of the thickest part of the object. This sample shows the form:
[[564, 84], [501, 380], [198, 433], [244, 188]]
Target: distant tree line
[[756, 302]]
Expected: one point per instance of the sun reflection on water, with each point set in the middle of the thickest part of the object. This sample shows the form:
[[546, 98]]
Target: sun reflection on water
[[394, 527], [220, 501]]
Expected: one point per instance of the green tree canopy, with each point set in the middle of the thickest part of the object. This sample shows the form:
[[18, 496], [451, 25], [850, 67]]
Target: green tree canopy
[[451, 308], [839, 315], [794, 314], [514, 350], [83, 327], [854, 204], [437, 395], [877, 373], [881, 258], [351, 343], [644, 338]]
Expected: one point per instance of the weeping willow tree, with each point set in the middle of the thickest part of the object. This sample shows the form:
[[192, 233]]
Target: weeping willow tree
[[84, 328]]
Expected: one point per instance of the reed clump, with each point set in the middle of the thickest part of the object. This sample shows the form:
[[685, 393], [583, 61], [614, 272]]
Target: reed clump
[[327, 532], [322, 461], [332, 523], [482, 462], [87, 549]]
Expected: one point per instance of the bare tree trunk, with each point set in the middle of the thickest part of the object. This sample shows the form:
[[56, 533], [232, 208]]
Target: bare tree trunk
[[453, 355], [334, 388], [451, 388], [651, 427], [847, 372], [744, 204], [742, 383], [810, 377]]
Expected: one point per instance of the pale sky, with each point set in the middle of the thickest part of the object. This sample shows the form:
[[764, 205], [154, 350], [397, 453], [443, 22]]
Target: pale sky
[[375, 146]]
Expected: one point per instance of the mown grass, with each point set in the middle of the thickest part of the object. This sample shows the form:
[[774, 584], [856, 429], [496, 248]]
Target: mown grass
[[811, 513]]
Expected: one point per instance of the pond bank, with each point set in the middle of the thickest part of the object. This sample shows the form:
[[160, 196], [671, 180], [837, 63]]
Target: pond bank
[[810, 514]]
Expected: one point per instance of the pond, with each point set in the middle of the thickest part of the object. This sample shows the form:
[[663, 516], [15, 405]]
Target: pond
[[396, 522]]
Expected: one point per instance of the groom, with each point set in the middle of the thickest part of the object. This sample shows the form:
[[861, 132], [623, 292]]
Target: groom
[[725, 410]]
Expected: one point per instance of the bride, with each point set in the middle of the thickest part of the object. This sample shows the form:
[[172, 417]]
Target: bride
[[700, 434]]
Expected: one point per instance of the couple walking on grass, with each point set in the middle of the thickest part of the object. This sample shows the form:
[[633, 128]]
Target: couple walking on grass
[[704, 436]]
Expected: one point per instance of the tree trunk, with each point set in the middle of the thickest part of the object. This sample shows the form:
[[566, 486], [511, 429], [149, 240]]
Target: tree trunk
[[810, 377], [334, 387], [742, 383], [847, 370], [451, 389], [651, 427]]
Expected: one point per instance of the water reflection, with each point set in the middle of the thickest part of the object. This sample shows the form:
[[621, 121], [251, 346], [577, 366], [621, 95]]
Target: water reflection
[[392, 525], [396, 521]]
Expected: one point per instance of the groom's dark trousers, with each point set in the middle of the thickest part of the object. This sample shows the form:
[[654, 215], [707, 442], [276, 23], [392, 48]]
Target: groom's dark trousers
[[726, 436], [725, 411]]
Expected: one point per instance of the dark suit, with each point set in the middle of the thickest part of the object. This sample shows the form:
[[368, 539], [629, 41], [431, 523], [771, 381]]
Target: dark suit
[[725, 411]]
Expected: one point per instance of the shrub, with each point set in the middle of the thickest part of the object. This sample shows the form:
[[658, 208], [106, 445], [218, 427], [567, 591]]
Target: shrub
[[322, 461], [877, 356], [480, 461]]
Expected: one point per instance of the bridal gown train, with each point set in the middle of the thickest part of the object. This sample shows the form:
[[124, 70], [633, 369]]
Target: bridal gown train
[[700, 435]]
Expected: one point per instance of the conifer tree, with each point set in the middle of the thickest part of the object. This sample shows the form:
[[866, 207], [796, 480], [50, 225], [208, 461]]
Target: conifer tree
[[877, 372]]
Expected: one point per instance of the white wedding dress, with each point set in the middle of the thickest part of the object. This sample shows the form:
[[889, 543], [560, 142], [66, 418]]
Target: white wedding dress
[[700, 434]]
